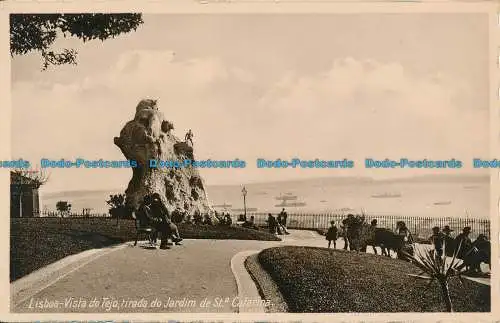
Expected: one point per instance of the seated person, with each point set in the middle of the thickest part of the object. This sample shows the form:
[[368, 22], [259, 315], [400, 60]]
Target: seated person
[[250, 224], [160, 211], [146, 218], [228, 221], [437, 239], [207, 220], [483, 253], [282, 228], [466, 251], [197, 218], [273, 224]]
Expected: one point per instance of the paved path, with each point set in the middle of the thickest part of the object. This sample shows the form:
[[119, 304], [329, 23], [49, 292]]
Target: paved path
[[198, 276]]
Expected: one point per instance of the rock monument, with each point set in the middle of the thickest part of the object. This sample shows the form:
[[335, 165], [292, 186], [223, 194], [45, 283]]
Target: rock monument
[[149, 137]]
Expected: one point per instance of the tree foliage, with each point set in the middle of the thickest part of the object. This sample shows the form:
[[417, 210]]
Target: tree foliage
[[117, 207], [63, 206], [35, 177], [437, 268], [116, 201], [38, 32]]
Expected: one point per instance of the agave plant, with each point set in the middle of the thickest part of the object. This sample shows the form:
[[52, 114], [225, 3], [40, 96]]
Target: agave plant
[[437, 268]]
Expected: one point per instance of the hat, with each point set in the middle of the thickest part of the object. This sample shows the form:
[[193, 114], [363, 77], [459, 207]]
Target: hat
[[332, 222], [467, 229], [447, 229], [435, 229]]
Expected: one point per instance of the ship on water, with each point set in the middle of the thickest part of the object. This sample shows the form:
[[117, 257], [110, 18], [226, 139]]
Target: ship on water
[[224, 206], [291, 204], [442, 203], [249, 209], [285, 198], [386, 195]]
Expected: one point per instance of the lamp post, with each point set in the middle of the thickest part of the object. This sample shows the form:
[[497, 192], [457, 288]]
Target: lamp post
[[244, 191]]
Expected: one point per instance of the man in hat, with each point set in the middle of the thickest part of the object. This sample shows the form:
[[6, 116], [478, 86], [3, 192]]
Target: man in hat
[[168, 228], [447, 231], [147, 217], [483, 252], [284, 216], [436, 239], [463, 242]]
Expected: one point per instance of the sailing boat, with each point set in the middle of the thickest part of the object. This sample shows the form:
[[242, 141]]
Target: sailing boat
[[386, 195], [442, 203], [224, 206]]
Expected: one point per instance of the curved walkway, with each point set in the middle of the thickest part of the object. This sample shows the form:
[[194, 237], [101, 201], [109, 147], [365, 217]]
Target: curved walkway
[[199, 276]]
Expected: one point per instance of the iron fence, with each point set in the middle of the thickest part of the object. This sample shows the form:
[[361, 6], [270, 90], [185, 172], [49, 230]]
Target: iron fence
[[82, 214], [418, 226]]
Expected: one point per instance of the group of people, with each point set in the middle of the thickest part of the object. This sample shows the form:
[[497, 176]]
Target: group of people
[[333, 232], [278, 225], [250, 224], [199, 219], [472, 253], [224, 218], [152, 212]]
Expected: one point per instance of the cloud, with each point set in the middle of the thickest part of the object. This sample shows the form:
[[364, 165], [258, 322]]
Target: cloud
[[80, 118], [355, 109], [365, 107]]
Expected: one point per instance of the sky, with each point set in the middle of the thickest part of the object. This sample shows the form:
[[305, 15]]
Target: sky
[[327, 86]]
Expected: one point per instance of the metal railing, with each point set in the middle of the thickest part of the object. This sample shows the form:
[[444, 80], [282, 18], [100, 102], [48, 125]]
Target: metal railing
[[82, 214], [418, 226]]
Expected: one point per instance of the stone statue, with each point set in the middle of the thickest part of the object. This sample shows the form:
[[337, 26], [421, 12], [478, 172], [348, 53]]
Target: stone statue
[[149, 137]]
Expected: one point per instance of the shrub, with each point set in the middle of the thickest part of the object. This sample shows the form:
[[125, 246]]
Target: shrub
[[437, 268]]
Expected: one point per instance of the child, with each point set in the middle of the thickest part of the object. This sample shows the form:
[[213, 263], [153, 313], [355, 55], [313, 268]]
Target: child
[[331, 235]]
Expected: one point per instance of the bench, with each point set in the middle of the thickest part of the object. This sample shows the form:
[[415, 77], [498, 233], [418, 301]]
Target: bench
[[146, 230]]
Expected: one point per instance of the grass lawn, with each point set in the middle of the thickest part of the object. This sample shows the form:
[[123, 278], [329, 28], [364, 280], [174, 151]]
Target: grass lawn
[[325, 280], [38, 242]]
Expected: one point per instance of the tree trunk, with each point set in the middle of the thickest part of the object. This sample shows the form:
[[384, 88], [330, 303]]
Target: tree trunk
[[446, 294]]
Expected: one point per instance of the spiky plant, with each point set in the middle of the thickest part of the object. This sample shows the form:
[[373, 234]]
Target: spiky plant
[[437, 268]]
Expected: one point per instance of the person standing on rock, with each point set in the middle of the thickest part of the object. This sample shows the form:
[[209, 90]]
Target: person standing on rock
[[189, 137], [160, 211]]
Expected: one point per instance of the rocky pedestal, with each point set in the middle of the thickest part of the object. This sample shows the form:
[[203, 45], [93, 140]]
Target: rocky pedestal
[[149, 137]]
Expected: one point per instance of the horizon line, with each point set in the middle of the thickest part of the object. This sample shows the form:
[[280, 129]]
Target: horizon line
[[297, 180]]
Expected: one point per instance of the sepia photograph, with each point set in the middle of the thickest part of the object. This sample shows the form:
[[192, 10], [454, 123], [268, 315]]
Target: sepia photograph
[[250, 163]]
